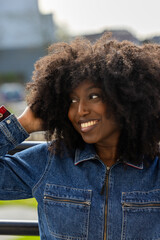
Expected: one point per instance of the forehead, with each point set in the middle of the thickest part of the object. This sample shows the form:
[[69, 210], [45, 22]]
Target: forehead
[[85, 85]]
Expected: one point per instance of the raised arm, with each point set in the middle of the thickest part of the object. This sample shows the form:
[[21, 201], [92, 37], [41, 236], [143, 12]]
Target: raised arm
[[29, 122]]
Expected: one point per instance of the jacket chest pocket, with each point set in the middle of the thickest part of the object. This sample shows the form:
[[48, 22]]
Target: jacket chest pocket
[[141, 215], [67, 211]]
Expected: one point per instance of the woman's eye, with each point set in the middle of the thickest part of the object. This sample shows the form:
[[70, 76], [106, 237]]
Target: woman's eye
[[94, 96], [73, 100]]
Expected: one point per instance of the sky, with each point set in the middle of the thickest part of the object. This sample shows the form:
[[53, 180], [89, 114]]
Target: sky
[[140, 17]]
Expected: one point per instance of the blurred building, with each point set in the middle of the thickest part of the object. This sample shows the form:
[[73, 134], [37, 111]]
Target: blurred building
[[155, 39], [119, 35], [25, 34]]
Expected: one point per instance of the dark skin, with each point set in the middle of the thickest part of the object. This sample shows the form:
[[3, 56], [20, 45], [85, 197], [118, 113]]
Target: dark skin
[[30, 122], [88, 114]]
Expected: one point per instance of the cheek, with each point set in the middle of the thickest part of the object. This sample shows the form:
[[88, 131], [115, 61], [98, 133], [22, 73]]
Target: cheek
[[71, 117], [101, 109], [70, 114]]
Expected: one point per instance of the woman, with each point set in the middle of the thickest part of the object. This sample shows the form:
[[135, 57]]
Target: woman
[[100, 178]]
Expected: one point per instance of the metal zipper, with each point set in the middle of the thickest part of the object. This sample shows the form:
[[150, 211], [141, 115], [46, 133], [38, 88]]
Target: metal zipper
[[106, 204], [67, 200], [128, 205]]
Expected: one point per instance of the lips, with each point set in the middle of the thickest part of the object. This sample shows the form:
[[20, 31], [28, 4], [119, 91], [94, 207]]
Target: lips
[[88, 125]]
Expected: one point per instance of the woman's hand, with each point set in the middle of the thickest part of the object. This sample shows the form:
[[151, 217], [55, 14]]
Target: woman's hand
[[30, 122]]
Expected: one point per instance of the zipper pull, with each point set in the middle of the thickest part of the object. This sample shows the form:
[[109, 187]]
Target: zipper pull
[[105, 179], [108, 168]]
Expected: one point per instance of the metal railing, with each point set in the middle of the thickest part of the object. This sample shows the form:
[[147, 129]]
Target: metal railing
[[19, 228], [16, 227]]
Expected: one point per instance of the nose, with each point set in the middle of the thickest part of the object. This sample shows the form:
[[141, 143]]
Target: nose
[[83, 108]]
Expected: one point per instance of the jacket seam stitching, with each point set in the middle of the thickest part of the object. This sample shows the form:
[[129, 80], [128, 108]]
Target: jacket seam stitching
[[8, 135], [43, 175]]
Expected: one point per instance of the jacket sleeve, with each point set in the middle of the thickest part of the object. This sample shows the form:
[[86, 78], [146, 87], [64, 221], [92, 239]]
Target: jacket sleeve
[[11, 134], [19, 173]]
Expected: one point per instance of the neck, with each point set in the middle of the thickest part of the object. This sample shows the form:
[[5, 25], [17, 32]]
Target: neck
[[108, 154]]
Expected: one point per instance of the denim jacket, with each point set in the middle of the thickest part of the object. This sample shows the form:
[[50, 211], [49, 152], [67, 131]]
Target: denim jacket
[[79, 198]]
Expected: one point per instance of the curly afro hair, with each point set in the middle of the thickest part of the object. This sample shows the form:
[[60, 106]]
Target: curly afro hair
[[129, 76]]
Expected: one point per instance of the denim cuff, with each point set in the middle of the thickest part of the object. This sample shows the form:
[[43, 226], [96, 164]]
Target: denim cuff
[[13, 130]]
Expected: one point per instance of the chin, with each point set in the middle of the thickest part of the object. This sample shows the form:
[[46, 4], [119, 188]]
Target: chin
[[89, 141]]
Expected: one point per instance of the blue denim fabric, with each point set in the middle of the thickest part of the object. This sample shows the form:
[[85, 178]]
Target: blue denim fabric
[[72, 194]]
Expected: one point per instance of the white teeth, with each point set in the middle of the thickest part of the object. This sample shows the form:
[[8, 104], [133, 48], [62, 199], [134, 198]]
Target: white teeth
[[88, 124]]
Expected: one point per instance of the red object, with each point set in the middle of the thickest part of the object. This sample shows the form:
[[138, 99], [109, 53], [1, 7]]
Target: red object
[[4, 113]]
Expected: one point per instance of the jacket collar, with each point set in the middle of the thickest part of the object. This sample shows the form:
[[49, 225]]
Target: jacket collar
[[86, 154], [138, 166], [89, 153]]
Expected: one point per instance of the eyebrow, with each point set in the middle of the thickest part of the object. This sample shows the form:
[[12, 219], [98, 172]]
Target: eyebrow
[[89, 88]]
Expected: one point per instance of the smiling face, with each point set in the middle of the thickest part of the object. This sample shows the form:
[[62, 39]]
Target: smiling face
[[88, 115]]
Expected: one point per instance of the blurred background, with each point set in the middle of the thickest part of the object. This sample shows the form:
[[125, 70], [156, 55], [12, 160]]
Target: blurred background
[[28, 27]]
